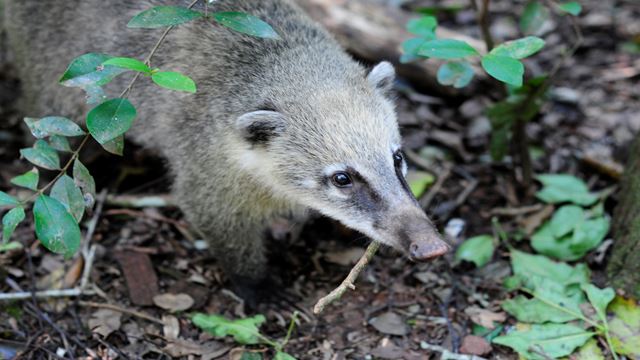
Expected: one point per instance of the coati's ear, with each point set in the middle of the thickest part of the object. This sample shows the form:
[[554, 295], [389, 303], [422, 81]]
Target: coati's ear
[[258, 127], [382, 76]]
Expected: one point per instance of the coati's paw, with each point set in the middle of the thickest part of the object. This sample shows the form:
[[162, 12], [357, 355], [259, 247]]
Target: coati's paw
[[262, 293]]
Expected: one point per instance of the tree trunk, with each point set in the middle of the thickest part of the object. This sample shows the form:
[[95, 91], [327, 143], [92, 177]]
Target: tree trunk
[[624, 265]]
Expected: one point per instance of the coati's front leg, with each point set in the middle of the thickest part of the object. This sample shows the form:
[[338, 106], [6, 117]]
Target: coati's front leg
[[234, 217]]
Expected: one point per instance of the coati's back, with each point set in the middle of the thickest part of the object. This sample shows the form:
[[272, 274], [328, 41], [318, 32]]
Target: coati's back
[[235, 69]]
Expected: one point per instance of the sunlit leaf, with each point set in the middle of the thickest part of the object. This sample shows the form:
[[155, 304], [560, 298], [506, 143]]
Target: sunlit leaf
[[446, 49], [244, 331], [520, 48], [246, 24], [87, 72], [163, 16], [174, 81], [419, 181], [129, 64]]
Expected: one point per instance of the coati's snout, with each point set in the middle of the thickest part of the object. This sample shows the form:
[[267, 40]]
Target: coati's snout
[[420, 239]]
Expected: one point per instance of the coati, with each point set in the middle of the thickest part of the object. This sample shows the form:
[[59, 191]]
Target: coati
[[276, 126]]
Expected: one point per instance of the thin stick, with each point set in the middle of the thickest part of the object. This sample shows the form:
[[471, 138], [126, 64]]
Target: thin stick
[[347, 283], [122, 310]]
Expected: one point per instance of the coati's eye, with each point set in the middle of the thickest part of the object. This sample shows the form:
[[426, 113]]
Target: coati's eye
[[341, 180], [398, 158]]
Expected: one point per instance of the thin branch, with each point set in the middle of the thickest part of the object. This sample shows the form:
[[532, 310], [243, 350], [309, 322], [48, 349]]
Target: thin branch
[[347, 283]]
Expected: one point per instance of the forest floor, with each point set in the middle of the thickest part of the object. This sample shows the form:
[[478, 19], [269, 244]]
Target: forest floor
[[399, 309]]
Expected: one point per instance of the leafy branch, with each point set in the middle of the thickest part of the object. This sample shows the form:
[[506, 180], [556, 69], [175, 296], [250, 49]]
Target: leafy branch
[[57, 215]]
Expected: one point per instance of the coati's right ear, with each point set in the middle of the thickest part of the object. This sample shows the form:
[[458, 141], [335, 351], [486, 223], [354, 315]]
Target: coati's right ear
[[382, 76], [259, 127]]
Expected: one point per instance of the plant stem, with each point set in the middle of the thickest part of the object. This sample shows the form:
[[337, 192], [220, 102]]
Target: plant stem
[[292, 325], [483, 21], [124, 94]]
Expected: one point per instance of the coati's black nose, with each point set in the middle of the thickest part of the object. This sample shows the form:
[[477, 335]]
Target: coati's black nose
[[426, 250]]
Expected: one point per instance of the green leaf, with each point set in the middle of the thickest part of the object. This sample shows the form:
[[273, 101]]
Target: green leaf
[[14, 245], [446, 49], [419, 181], [162, 16], [554, 340], [520, 48], [110, 119], [410, 49], [526, 266], [82, 177], [7, 200], [544, 242], [43, 155], [27, 180], [55, 227], [244, 331], [10, 221], [534, 17], [69, 195], [246, 24], [87, 72], [249, 355], [174, 81], [59, 143], [478, 250], [283, 356], [559, 188], [600, 299], [129, 64], [456, 73], [565, 219], [424, 27], [588, 235], [572, 7], [551, 302], [503, 68], [624, 327], [115, 146], [589, 351], [53, 125]]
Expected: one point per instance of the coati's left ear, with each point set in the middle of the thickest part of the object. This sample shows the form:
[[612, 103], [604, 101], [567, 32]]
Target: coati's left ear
[[382, 76], [259, 127]]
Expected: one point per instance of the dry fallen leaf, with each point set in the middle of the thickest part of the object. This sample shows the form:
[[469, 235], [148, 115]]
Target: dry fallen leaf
[[173, 302], [105, 321], [171, 327], [345, 257], [485, 317], [475, 345], [389, 323], [181, 347]]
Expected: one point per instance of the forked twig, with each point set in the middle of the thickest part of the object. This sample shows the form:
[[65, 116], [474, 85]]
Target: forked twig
[[347, 283]]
